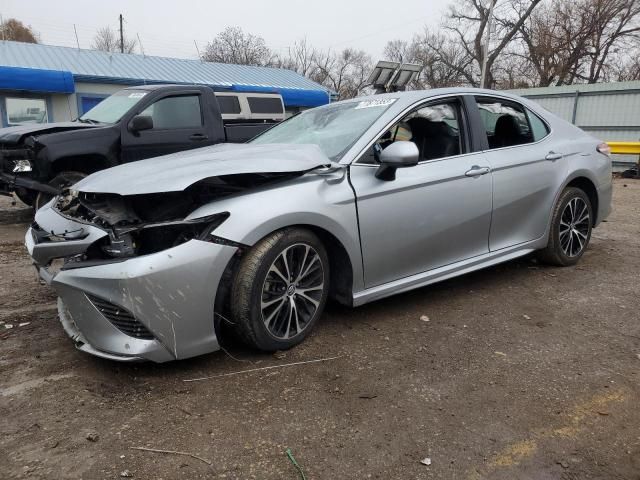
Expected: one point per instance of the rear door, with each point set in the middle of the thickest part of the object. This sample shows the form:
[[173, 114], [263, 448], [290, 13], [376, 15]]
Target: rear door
[[178, 124], [433, 214], [527, 165]]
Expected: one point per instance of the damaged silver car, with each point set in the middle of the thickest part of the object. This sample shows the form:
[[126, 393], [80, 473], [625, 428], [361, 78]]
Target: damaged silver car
[[353, 201]]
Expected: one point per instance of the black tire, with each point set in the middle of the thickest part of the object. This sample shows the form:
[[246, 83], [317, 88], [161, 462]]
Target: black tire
[[61, 180], [28, 197], [558, 250], [256, 282]]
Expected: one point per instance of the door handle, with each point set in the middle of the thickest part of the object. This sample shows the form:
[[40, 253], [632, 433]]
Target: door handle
[[553, 156], [476, 171], [198, 136]]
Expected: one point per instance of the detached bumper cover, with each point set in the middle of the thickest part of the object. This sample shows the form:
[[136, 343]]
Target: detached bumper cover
[[171, 293]]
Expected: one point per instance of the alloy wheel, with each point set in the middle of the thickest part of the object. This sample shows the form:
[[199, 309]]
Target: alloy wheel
[[292, 291], [575, 224]]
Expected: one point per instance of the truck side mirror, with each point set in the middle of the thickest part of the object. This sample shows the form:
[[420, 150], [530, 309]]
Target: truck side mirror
[[140, 122]]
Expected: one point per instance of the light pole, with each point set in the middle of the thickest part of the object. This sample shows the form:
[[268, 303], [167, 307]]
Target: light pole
[[485, 53]]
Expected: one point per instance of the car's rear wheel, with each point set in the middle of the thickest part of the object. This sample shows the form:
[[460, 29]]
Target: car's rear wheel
[[570, 228], [60, 181], [280, 289]]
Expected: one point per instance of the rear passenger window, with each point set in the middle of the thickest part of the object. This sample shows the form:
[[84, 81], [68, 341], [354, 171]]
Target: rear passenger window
[[539, 129], [505, 123], [265, 104], [229, 104]]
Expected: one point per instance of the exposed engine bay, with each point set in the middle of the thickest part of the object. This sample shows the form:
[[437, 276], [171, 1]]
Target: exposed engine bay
[[148, 223]]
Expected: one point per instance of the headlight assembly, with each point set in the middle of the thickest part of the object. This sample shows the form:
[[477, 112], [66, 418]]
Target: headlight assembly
[[155, 237], [21, 166]]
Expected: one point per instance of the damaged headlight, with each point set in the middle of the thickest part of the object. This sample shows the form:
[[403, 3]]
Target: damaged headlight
[[155, 237], [20, 166]]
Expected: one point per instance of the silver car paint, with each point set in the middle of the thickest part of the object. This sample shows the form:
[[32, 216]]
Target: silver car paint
[[396, 256], [175, 172], [159, 289], [433, 215]]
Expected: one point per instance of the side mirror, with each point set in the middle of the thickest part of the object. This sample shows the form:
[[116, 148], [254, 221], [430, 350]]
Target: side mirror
[[397, 155], [140, 122]]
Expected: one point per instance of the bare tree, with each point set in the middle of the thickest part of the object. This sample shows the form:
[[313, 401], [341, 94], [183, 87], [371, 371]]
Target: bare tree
[[232, 45], [400, 51], [628, 68], [445, 63], [15, 30], [107, 40], [303, 58], [570, 41], [468, 20], [345, 73]]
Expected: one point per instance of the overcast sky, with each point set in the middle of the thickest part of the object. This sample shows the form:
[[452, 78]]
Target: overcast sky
[[169, 28]]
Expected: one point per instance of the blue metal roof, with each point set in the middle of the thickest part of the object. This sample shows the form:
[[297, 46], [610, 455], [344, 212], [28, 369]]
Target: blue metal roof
[[132, 69]]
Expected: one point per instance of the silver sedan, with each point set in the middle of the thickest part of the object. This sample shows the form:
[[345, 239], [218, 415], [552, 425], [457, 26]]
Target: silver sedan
[[353, 201]]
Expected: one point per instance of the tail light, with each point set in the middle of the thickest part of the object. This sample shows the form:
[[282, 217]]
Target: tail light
[[604, 148]]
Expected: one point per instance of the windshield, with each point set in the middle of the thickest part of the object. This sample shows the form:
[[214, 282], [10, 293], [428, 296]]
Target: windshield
[[113, 108], [333, 128]]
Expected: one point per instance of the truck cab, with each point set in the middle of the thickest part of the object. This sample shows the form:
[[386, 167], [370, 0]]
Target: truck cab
[[135, 123]]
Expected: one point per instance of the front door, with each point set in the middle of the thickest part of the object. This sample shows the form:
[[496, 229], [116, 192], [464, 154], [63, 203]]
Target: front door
[[178, 124], [433, 214]]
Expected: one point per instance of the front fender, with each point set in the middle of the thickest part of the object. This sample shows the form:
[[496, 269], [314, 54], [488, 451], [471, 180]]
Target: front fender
[[323, 201]]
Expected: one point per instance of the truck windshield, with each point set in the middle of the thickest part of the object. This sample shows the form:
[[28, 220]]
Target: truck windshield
[[333, 128], [113, 108]]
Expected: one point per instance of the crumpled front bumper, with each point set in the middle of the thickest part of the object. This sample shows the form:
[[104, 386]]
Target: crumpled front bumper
[[170, 293]]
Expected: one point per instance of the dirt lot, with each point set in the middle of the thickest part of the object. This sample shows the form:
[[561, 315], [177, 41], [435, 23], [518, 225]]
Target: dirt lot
[[521, 372]]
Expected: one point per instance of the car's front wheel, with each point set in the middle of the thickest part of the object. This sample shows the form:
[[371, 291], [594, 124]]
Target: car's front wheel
[[280, 289], [570, 228]]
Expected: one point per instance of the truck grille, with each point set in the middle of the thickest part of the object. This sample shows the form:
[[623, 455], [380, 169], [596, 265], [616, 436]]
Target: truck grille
[[121, 318]]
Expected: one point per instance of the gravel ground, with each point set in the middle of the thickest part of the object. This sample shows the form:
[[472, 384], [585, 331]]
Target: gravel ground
[[521, 372]]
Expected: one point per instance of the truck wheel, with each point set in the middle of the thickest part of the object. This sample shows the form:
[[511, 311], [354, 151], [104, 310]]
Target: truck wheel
[[26, 196], [61, 180], [280, 289]]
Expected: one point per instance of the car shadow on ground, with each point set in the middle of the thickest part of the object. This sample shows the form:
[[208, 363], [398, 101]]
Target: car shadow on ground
[[236, 356]]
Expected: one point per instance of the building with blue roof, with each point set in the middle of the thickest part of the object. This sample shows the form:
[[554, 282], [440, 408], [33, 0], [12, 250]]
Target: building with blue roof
[[45, 83]]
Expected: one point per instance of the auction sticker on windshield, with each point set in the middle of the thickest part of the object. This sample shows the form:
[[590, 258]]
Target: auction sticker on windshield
[[379, 102], [137, 94]]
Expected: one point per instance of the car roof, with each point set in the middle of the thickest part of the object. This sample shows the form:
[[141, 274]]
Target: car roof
[[412, 96]]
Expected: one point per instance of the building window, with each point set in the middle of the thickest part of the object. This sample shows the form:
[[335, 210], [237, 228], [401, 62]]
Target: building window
[[87, 102], [21, 111]]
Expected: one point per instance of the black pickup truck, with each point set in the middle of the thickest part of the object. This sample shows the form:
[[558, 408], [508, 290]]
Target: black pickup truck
[[37, 160]]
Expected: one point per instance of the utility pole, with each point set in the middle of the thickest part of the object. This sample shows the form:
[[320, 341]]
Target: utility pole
[[485, 53], [121, 36]]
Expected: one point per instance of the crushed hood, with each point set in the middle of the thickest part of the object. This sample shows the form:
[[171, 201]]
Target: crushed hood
[[176, 172], [16, 134]]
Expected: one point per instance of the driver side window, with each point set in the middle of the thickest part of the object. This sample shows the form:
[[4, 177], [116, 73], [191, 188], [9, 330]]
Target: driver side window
[[435, 129]]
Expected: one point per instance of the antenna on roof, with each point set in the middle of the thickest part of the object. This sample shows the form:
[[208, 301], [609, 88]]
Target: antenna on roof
[[197, 50], [76, 32], [393, 76], [140, 43]]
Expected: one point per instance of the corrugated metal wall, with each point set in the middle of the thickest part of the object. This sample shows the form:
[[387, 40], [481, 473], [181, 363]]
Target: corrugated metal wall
[[610, 112]]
